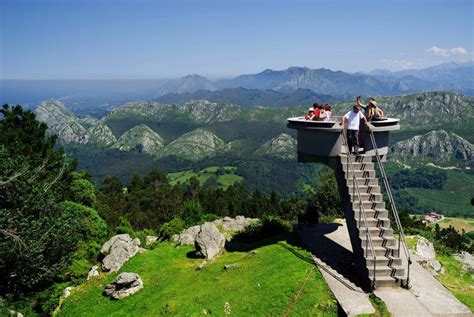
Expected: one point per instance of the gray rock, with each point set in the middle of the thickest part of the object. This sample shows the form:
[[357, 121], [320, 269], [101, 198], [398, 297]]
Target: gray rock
[[230, 266], [93, 272], [188, 236], [425, 249], [466, 259], [117, 251], [201, 265], [124, 285], [150, 239], [238, 224], [433, 266], [209, 241], [67, 291]]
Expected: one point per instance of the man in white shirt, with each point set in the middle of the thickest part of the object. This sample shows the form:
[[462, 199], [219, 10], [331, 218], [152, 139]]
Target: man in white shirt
[[351, 122]]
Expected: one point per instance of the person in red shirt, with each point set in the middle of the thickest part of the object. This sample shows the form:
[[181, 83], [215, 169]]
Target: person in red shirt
[[316, 111]]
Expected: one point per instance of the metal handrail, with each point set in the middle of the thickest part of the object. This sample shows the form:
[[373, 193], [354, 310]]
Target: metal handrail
[[368, 240], [401, 236]]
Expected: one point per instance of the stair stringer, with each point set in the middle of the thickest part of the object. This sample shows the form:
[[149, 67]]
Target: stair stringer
[[357, 249]]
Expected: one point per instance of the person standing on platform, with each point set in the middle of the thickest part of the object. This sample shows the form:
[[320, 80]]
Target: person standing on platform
[[351, 123]]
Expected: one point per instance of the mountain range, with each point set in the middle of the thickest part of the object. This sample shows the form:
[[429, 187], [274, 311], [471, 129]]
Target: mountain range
[[270, 88], [201, 129]]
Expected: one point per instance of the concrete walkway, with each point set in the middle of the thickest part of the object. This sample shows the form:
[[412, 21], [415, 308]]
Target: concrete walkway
[[332, 252]]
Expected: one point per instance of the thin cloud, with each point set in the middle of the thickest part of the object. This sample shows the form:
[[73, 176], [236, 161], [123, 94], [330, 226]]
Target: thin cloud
[[458, 51], [445, 52]]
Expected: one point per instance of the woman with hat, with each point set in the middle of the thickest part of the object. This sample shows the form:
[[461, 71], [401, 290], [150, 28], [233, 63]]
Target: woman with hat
[[374, 113]]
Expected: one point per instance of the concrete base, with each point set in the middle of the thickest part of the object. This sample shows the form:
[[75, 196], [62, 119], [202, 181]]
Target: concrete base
[[332, 252]]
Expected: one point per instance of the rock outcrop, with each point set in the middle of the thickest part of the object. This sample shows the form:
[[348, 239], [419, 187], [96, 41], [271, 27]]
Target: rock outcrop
[[237, 224], [282, 146], [62, 122], [124, 285], [141, 139], [94, 271], [195, 145], [100, 134], [436, 146], [209, 241], [187, 236], [117, 251], [466, 259], [426, 251]]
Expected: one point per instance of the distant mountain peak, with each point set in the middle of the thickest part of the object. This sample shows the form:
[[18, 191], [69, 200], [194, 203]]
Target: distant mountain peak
[[282, 146], [140, 138]]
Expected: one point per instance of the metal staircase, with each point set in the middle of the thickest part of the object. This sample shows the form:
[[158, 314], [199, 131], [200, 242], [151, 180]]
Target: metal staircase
[[375, 246]]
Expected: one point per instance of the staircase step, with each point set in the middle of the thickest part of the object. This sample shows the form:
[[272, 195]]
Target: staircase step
[[387, 271], [378, 241], [365, 188], [382, 261], [387, 281], [360, 174], [376, 232], [362, 181], [371, 213], [374, 222], [358, 166], [360, 159], [368, 204], [391, 251], [365, 196]]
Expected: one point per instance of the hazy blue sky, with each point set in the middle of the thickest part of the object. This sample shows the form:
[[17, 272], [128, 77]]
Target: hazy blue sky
[[74, 39]]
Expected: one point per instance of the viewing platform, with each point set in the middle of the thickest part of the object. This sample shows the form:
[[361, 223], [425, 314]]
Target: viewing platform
[[318, 141]]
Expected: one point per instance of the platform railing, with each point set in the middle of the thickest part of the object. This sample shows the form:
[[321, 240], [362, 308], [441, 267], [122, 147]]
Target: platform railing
[[388, 189], [355, 190]]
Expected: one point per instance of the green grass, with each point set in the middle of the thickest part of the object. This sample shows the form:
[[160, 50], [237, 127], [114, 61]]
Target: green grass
[[457, 280], [263, 284], [224, 181], [466, 224]]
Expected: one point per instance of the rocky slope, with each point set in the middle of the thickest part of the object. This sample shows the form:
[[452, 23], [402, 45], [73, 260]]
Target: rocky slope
[[196, 111], [282, 146], [141, 139], [195, 145], [439, 147], [101, 135], [62, 122], [426, 111]]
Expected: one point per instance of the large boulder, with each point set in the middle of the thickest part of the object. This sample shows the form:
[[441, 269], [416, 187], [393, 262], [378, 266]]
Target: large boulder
[[209, 241], [117, 251], [466, 259], [187, 236], [124, 285], [425, 249]]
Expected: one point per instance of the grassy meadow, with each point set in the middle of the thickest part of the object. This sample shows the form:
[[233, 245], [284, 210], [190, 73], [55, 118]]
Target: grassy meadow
[[264, 283], [224, 180]]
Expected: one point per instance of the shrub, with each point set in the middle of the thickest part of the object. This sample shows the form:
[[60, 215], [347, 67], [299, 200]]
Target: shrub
[[191, 212], [171, 228]]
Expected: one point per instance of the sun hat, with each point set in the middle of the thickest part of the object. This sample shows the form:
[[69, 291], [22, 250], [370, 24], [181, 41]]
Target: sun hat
[[310, 110]]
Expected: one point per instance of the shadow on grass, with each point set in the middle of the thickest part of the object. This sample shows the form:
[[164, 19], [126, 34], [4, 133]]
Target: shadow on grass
[[333, 255], [311, 238]]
